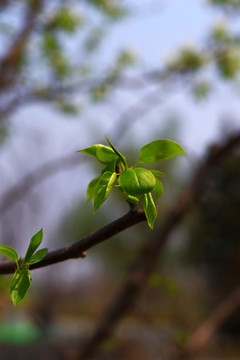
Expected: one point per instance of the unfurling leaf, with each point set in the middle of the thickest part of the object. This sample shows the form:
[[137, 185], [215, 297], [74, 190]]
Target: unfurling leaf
[[132, 199], [159, 150], [149, 208], [137, 181], [34, 244], [103, 153], [103, 188], [91, 188], [158, 189], [121, 156], [157, 173], [9, 252], [19, 285], [38, 256]]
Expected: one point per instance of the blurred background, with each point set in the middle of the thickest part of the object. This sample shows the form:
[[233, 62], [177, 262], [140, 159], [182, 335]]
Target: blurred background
[[71, 71]]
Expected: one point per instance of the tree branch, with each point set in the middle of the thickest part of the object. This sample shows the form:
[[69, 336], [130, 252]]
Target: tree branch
[[76, 250]]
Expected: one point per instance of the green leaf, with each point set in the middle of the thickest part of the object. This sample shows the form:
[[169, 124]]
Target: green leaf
[[9, 252], [158, 150], [132, 199], [158, 189], [157, 173], [105, 154], [91, 150], [19, 285], [91, 188], [149, 208], [34, 244], [137, 181], [111, 166], [38, 256], [103, 188], [102, 152], [121, 157]]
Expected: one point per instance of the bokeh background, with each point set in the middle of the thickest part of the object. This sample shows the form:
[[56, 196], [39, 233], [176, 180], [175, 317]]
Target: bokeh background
[[71, 71]]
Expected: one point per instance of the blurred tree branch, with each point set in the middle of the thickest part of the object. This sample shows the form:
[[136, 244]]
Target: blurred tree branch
[[143, 266], [206, 330], [11, 61]]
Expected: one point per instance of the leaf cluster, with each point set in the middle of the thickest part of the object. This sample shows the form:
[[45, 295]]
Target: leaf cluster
[[136, 183], [21, 279]]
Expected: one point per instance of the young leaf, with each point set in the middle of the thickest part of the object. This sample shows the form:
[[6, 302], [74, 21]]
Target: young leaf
[[91, 188], [19, 285], [121, 157], [9, 252], [158, 189], [132, 199], [91, 150], [111, 166], [102, 152], [105, 154], [137, 181], [34, 244], [158, 150], [38, 256], [149, 208], [103, 188], [157, 173]]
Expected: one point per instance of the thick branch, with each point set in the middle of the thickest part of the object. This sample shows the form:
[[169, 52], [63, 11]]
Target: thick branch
[[77, 249]]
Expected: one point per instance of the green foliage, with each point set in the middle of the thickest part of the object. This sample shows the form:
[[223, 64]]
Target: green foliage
[[133, 181], [111, 8], [226, 3], [137, 181], [159, 150], [149, 208], [21, 279], [201, 90], [9, 252], [65, 20], [189, 59], [228, 62], [103, 188]]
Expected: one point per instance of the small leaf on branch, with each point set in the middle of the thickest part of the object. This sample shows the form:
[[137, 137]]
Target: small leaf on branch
[[158, 189], [9, 252], [157, 173], [34, 244], [111, 166], [137, 181], [19, 285], [132, 199], [121, 156], [38, 256], [91, 188], [149, 208], [103, 153], [103, 188], [159, 150]]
